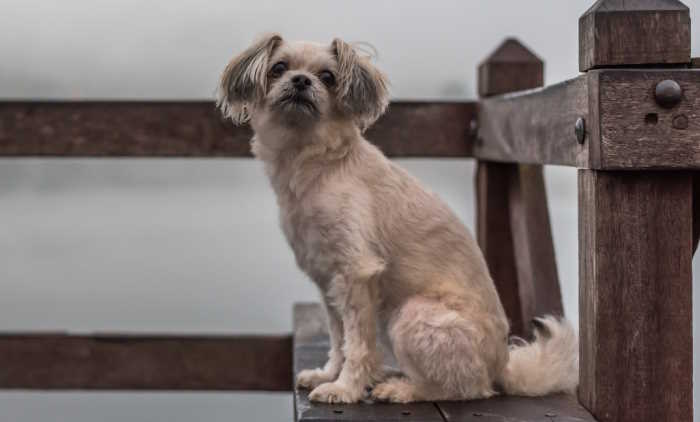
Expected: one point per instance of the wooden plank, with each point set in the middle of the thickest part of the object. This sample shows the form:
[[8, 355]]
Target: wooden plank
[[538, 280], [535, 127], [311, 350], [635, 231], [637, 133], [195, 129], [511, 67], [640, 32], [513, 231], [555, 408], [140, 362]]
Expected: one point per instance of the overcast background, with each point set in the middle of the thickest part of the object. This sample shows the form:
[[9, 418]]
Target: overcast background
[[194, 245]]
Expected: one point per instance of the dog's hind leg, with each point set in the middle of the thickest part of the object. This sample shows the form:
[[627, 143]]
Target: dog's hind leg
[[441, 354]]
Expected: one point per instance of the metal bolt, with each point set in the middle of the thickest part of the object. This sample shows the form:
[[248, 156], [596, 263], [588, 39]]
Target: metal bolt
[[477, 414], [680, 122], [580, 130], [550, 415], [668, 93], [474, 128]]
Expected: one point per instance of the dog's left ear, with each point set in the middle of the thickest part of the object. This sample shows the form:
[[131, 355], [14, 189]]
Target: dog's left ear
[[244, 80], [362, 88]]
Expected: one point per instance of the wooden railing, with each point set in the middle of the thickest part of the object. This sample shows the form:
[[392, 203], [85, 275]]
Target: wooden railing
[[631, 125]]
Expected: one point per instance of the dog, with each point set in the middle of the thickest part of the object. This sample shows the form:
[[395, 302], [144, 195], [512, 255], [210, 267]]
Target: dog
[[391, 260]]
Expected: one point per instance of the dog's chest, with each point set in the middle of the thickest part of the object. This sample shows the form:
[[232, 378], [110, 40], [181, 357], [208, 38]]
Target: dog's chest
[[312, 237]]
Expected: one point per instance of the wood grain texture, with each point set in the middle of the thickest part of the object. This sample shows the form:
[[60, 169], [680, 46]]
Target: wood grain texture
[[311, 351], [640, 32], [513, 231], [511, 67], [534, 127], [637, 133], [635, 234], [555, 408], [195, 129], [131, 362]]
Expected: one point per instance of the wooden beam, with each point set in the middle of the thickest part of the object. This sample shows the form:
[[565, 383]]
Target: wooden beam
[[625, 126], [635, 234], [536, 126], [640, 32], [140, 362], [511, 67], [195, 129], [635, 132], [513, 228]]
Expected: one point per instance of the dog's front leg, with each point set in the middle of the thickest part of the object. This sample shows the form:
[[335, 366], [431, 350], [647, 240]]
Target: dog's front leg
[[355, 301], [312, 378]]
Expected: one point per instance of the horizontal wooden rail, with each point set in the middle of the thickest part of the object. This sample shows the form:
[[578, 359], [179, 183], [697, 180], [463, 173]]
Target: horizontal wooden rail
[[625, 127], [131, 362], [195, 129]]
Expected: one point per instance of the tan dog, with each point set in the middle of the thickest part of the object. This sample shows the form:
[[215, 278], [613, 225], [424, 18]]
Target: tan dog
[[388, 256]]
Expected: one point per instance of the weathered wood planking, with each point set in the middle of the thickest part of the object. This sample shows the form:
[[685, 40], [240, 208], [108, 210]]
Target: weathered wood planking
[[311, 351], [514, 233], [635, 235], [555, 408], [512, 218], [639, 32], [637, 133], [195, 129], [511, 67], [626, 128], [534, 127], [137, 362]]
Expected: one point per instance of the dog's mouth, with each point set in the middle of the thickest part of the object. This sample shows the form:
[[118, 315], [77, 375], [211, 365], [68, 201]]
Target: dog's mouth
[[298, 102]]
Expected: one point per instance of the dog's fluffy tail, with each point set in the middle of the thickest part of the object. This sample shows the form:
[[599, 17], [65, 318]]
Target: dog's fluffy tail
[[549, 364]]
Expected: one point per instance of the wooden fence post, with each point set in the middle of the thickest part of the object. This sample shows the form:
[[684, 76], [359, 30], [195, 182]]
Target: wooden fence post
[[513, 227], [635, 240]]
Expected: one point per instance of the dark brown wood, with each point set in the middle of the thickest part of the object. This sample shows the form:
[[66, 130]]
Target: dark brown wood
[[534, 127], [495, 237], [131, 362], [195, 129], [637, 133], [635, 235], [695, 63], [514, 233], [538, 280], [511, 67], [556, 408], [625, 126], [311, 351], [696, 211], [512, 218], [639, 32]]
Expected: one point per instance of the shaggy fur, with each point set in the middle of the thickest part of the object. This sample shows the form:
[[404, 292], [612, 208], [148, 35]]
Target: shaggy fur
[[389, 257]]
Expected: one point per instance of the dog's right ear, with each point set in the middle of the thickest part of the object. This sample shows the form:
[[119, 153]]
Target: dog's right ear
[[244, 80]]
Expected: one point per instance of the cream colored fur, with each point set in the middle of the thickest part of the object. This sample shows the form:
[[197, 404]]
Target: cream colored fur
[[389, 257]]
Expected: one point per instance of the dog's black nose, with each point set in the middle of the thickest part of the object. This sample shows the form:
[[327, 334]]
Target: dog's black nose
[[301, 82]]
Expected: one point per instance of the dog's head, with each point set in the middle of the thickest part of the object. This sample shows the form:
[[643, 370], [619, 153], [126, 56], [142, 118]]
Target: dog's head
[[299, 84]]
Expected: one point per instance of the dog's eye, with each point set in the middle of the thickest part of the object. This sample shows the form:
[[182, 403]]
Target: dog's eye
[[278, 69], [327, 78]]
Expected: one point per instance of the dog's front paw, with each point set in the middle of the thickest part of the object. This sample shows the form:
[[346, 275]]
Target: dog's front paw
[[336, 392], [312, 378]]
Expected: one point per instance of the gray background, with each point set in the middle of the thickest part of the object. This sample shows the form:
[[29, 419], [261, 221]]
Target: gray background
[[194, 245]]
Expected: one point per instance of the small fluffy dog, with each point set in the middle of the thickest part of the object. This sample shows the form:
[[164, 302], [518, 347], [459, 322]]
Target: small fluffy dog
[[390, 258]]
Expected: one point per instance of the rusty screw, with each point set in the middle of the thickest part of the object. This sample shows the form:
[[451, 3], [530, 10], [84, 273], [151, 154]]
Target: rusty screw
[[580, 130], [668, 93]]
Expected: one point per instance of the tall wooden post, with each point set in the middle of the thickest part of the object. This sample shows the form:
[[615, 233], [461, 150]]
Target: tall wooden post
[[635, 238], [513, 227]]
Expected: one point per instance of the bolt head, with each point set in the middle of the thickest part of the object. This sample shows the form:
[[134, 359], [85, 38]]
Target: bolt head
[[668, 93], [580, 130]]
